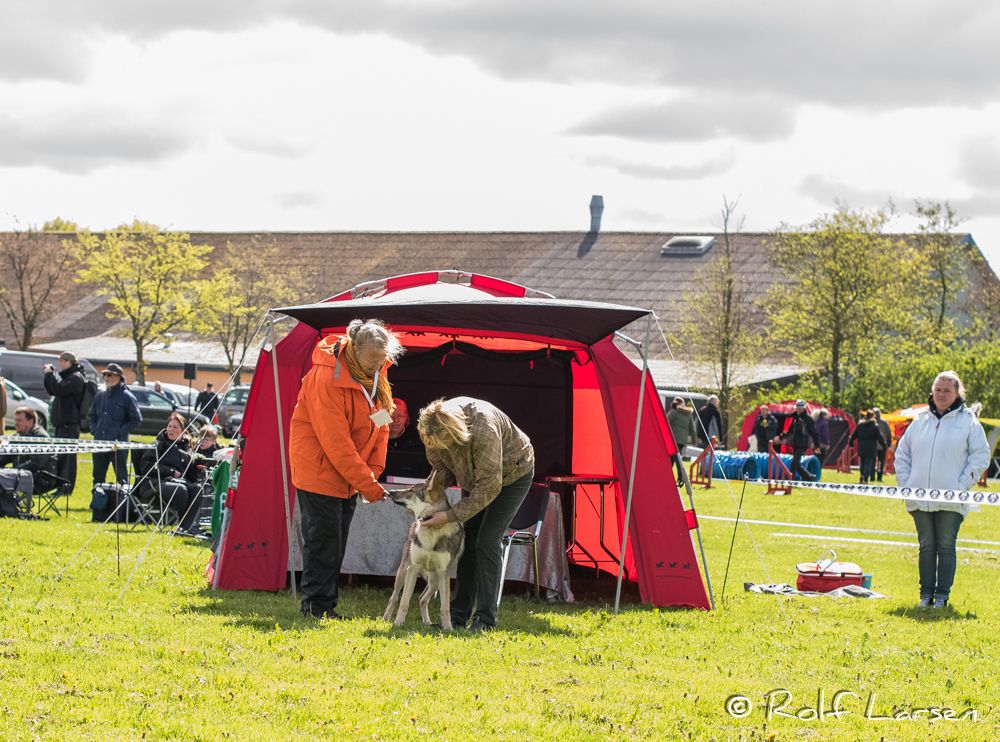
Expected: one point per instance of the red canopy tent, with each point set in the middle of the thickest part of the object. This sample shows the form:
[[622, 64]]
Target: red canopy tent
[[550, 364], [841, 425]]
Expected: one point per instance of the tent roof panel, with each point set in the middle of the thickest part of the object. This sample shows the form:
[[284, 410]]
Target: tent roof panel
[[582, 322]]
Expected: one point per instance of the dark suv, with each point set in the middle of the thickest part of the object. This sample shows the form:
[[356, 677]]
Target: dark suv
[[155, 409]]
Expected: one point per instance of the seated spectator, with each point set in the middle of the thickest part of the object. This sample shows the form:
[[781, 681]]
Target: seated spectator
[[208, 444], [28, 468], [405, 456], [170, 474]]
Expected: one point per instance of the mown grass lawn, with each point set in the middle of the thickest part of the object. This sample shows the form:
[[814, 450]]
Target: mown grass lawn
[[83, 657]]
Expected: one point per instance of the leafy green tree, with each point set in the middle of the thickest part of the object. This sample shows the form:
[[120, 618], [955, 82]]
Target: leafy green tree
[[242, 287], [718, 327], [35, 268], [60, 225], [149, 276], [848, 292], [947, 262]]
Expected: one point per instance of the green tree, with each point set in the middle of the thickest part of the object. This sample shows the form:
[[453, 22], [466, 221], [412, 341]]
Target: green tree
[[947, 262], [718, 327], [35, 268], [149, 276], [243, 286], [848, 292], [60, 225]]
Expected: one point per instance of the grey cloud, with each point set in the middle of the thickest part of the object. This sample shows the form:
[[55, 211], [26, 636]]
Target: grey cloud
[[272, 146], [830, 192], [977, 206], [81, 141], [878, 55], [694, 118], [979, 161], [299, 199], [653, 171]]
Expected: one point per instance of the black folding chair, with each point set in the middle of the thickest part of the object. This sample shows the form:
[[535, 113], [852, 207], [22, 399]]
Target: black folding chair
[[525, 530], [49, 488]]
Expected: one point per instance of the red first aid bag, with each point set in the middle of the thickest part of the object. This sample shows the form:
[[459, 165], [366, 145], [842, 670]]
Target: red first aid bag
[[826, 574]]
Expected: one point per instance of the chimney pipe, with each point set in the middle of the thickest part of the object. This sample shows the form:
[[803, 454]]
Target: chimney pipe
[[596, 209]]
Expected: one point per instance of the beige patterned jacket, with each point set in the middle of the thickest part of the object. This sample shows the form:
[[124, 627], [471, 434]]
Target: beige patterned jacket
[[497, 454]]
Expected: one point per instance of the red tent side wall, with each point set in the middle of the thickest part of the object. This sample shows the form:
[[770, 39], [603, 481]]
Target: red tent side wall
[[255, 548], [665, 562]]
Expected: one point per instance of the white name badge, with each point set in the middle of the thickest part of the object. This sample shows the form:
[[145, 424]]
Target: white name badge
[[381, 418]]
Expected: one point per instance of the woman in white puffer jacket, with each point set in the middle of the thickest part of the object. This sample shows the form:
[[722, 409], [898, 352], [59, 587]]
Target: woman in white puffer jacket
[[944, 448]]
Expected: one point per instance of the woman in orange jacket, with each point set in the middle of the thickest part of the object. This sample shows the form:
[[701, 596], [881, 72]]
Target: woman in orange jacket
[[337, 446]]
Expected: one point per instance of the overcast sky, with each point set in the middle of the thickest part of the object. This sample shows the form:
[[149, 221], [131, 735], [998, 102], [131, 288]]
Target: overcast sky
[[495, 114]]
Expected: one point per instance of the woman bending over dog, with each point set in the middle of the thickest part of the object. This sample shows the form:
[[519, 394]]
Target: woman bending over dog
[[472, 443]]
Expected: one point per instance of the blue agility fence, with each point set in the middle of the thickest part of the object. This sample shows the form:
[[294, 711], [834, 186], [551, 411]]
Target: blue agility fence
[[745, 465]]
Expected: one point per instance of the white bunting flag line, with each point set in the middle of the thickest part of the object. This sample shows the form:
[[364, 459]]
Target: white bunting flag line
[[958, 497], [28, 449]]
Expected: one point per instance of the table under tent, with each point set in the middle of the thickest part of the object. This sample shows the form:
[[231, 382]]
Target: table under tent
[[550, 364]]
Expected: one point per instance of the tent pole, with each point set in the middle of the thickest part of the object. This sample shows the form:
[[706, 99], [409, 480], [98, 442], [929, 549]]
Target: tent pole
[[697, 528], [635, 454], [284, 455]]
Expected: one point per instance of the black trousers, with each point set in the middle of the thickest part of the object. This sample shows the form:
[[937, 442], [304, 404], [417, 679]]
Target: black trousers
[[797, 454], [880, 463], [326, 522], [66, 466], [183, 497], [103, 459], [478, 578]]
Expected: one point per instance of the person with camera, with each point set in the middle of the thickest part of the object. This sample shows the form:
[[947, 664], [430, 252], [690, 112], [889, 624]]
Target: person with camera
[[66, 387]]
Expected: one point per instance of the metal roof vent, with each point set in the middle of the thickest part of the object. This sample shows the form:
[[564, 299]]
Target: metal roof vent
[[687, 246]]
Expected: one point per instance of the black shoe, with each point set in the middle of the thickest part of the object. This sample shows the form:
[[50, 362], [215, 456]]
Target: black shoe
[[478, 627], [328, 615]]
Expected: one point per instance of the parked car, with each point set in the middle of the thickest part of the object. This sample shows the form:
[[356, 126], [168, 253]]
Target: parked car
[[233, 403], [26, 369], [17, 397], [156, 408], [181, 394]]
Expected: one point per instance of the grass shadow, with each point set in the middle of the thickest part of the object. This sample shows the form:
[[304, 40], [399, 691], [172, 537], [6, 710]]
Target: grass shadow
[[931, 615]]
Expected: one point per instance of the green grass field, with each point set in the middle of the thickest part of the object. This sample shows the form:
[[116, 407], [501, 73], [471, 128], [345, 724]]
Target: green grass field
[[81, 656]]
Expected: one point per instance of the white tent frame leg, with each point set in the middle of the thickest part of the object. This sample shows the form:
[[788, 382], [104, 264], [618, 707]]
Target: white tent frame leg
[[644, 351]]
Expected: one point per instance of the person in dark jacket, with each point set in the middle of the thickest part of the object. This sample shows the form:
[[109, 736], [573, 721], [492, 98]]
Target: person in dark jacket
[[207, 402], [170, 473], [208, 444], [30, 465], [869, 438], [113, 416], [800, 431], [765, 427], [880, 454], [66, 388], [821, 419], [711, 422]]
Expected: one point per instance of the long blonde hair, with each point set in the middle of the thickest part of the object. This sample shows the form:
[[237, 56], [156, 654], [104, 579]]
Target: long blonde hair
[[371, 332], [440, 427]]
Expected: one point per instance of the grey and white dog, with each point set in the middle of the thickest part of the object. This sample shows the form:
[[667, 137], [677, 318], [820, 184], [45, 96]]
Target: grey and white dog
[[428, 553]]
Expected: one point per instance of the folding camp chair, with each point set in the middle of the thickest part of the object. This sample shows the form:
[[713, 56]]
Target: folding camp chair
[[525, 530], [49, 488]]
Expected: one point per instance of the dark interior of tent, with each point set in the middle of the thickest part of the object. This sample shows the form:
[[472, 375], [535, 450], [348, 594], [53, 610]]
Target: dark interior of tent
[[534, 388]]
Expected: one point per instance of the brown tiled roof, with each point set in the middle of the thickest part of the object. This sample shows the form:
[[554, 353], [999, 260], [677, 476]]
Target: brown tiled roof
[[618, 267]]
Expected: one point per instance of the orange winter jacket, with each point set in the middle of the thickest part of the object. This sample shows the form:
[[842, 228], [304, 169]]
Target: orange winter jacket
[[334, 447]]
